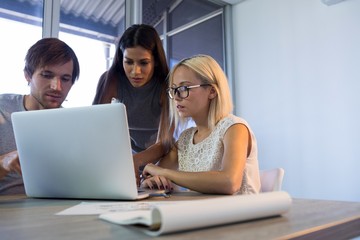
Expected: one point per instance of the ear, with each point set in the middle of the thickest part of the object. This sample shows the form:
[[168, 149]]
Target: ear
[[213, 93], [27, 77]]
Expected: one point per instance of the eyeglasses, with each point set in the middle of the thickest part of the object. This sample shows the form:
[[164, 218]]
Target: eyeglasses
[[182, 91]]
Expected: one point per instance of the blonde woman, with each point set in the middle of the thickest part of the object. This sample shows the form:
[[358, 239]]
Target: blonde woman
[[219, 154]]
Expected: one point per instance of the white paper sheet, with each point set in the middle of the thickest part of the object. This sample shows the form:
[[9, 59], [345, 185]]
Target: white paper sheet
[[96, 208], [188, 215]]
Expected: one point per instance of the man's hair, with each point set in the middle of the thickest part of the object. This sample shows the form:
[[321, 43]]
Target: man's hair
[[50, 51]]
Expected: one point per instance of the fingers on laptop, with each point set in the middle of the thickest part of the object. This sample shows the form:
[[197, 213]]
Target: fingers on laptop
[[158, 182]]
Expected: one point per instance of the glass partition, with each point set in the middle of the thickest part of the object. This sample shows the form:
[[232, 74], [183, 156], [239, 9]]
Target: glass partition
[[191, 27], [91, 28], [20, 24]]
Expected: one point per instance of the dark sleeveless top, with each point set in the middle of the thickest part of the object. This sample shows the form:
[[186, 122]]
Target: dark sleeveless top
[[143, 111]]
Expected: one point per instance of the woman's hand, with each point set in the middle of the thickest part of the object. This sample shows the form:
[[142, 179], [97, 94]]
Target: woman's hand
[[152, 170], [157, 182], [152, 178]]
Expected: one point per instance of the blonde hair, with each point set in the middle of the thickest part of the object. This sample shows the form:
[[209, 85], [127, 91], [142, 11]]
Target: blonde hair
[[209, 72]]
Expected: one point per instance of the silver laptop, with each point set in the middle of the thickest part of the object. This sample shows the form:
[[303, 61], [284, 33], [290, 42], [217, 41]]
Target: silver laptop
[[81, 152]]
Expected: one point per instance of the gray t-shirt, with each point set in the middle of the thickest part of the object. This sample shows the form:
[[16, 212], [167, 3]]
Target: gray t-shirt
[[9, 103], [143, 111]]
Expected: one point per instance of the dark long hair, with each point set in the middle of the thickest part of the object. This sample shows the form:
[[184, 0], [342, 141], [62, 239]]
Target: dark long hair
[[145, 36]]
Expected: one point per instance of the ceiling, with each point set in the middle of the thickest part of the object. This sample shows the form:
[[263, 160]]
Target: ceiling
[[107, 12], [104, 17], [100, 19]]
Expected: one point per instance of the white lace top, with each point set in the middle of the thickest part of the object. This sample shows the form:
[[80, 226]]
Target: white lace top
[[207, 154]]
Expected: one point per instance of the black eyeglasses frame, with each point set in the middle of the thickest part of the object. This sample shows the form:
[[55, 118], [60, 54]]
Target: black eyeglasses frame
[[171, 92]]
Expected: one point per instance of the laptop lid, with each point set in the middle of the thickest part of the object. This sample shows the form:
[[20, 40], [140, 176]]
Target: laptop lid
[[81, 152]]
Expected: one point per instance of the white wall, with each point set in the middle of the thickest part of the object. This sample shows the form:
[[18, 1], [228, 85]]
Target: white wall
[[297, 83]]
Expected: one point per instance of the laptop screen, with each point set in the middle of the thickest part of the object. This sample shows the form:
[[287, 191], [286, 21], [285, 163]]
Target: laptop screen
[[81, 152]]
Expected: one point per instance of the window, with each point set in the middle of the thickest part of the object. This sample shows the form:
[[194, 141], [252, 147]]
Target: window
[[89, 27], [20, 24], [188, 27], [203, 38]]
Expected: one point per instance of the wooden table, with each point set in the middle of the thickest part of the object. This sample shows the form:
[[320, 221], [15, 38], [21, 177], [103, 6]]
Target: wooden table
[[28, 218]]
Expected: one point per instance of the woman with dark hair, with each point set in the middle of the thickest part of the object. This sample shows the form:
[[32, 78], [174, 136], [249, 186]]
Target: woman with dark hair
[[137, 78]]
